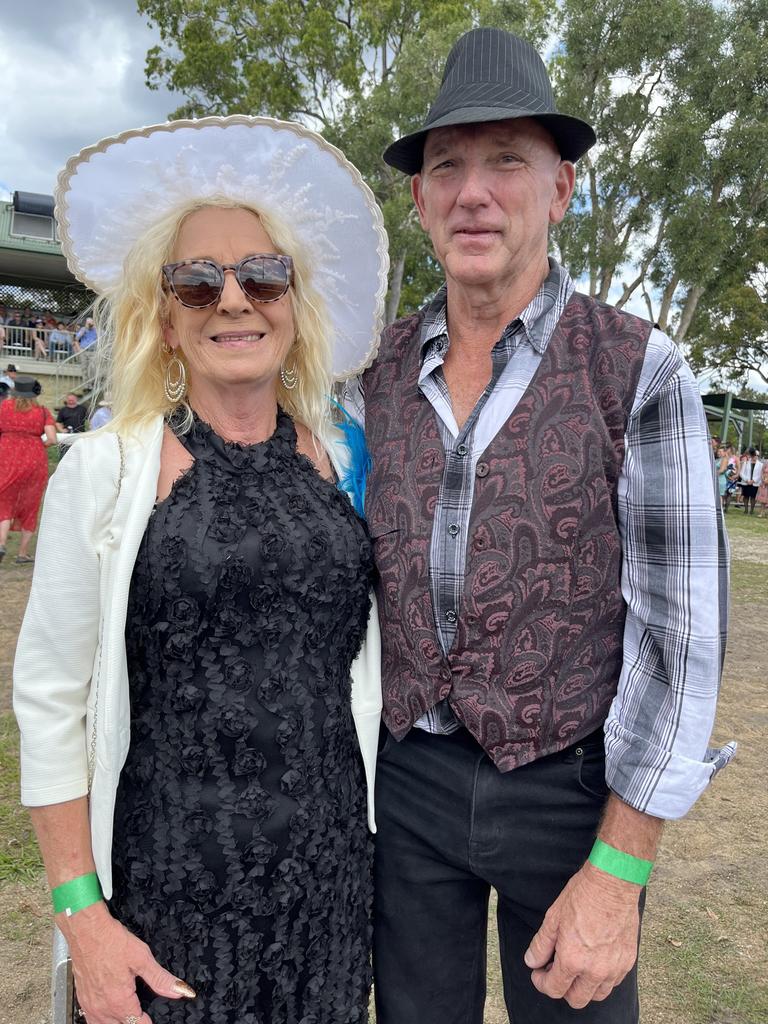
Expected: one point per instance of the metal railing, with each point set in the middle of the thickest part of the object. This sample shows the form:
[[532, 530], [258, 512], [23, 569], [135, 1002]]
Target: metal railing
[[45, 344], [57, 351]]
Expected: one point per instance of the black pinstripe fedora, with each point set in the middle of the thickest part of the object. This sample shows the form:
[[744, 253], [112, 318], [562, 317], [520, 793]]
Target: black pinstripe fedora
[[492, 75]]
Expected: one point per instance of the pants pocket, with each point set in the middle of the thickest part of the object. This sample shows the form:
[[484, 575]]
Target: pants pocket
[[590, 768]]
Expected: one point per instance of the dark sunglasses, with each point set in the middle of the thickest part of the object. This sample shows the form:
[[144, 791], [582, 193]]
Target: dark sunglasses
[[264, 277]]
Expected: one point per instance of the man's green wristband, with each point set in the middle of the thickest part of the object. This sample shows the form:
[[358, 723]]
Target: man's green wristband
[[619, 864], [79, 893]]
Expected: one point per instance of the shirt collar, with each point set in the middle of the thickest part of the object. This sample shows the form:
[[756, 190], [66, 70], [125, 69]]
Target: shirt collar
[[538, 320]]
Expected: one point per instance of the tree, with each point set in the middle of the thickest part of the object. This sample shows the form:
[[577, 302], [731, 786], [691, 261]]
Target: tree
[[730, 332], [667, 205], [360, 72], [674, 193]]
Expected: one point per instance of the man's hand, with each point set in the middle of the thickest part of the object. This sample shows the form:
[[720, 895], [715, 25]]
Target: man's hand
[[587, 942]]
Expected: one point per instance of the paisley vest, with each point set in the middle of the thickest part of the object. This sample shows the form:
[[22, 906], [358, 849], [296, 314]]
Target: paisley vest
[[537, 653]]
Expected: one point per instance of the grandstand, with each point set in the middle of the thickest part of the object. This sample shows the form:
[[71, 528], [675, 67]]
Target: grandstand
[[36, 283]]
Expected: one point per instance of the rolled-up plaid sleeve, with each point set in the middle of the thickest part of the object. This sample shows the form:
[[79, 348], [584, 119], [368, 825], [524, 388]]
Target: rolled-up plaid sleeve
[[675, 584]]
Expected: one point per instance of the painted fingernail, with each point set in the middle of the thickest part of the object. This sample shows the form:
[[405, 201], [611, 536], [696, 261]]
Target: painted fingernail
[[184, 990]]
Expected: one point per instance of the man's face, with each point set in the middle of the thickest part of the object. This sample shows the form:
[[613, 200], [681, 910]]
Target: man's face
[[71, 401], [487, 194]]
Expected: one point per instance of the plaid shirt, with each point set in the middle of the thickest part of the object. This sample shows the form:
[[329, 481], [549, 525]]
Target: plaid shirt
[[675, 554]]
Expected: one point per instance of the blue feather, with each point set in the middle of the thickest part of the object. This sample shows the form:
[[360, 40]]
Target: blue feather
[[353, 481]]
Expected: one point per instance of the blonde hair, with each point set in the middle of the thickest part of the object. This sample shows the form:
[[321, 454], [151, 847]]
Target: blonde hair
[[130, 319], [25, 404]]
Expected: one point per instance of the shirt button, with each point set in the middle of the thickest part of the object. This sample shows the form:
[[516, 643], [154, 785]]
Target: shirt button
[[483, 469], [453, 529], [450, 615], [462, 449]]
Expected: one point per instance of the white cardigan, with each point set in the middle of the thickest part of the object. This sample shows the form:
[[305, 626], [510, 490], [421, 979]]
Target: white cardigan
[[84, 561]]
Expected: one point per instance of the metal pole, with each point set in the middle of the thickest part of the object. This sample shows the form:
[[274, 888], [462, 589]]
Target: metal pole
[[750, 425], [726, 418]]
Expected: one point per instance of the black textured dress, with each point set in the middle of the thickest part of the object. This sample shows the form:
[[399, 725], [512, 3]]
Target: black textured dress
[[241, 852]]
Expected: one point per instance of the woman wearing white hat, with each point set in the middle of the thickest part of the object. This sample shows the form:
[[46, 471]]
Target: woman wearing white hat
[[191, 743]]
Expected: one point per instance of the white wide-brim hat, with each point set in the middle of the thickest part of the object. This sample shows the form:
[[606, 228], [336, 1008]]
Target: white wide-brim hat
[[111, 193]]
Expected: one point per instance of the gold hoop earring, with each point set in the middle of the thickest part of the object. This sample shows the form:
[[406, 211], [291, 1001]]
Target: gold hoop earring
[[290, 378], [175, 379]]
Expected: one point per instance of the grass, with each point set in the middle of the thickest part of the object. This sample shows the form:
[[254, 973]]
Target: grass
[[707, 970], [19, 856]]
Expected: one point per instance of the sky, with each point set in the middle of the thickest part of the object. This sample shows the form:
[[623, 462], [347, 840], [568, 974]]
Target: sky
[[71, 73]]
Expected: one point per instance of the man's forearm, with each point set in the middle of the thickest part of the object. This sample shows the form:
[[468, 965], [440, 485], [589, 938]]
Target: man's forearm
[[630, 831]]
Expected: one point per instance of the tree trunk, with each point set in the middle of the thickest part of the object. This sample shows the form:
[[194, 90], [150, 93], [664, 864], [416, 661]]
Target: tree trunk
[[605, 283], [395, 288], [666, 300], [691, 302], [595, 200]]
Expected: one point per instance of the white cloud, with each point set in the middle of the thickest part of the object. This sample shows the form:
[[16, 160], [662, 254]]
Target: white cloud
[[72, 74]]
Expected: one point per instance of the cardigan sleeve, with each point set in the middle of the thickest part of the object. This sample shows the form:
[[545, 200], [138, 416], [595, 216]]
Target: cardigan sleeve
[[58, 641]]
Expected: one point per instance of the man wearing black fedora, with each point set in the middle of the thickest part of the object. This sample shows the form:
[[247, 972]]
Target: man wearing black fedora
[[552, 597]]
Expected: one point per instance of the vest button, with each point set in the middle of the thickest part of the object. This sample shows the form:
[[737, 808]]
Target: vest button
[[483, 469]]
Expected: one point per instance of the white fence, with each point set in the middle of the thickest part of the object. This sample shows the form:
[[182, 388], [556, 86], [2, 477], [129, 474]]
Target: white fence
[[51, 346]]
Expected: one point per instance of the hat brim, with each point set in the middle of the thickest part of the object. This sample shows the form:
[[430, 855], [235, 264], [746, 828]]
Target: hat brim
[[572, 136], [111, 193]]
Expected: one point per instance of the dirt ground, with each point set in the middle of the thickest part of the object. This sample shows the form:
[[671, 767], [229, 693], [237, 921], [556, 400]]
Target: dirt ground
[[704, 953]]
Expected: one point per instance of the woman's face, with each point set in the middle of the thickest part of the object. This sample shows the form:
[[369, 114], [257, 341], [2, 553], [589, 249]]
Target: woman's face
[[236, 341]]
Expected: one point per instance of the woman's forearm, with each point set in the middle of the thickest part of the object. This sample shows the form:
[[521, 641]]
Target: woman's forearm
[[64, 835]]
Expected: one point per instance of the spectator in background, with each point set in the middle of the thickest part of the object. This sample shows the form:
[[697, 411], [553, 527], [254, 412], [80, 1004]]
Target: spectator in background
[[103, 414], [9, 376], [762, 491], [60, 340], [86, 336], [23, 463], [14, 329], [723, 471], [71, 416], [750, 477], [732, 476], [86, 340], [39, 340]]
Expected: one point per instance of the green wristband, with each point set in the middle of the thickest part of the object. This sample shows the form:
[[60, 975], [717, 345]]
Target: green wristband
[[619, 864], [77, 894]]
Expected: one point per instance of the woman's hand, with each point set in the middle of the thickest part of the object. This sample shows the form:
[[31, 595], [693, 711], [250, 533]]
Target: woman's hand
[[106, 960]]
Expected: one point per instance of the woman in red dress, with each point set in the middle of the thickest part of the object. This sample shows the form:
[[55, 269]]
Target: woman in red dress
[[23, 462]]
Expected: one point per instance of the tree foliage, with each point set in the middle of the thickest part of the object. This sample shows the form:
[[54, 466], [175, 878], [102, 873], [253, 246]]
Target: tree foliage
[[672, 198], [669, 205], [360, 72]]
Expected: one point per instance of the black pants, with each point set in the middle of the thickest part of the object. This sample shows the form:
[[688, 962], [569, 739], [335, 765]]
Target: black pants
[[450, 826]]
